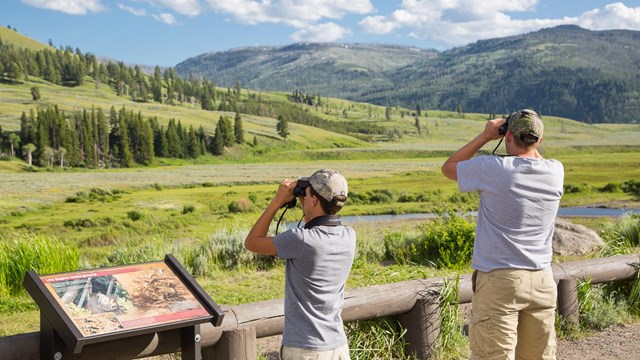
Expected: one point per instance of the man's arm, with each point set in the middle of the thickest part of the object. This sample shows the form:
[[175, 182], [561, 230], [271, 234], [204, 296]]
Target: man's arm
[[450, 167], [257, 239]]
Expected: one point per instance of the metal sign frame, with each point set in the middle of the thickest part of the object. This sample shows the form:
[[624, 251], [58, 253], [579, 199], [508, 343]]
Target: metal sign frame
[[68, 319]]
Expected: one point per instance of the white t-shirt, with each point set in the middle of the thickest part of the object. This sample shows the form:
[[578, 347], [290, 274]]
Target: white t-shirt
[[519, 200]]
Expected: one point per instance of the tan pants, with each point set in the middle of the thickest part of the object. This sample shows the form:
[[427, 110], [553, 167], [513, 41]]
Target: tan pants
[[291, 353], [513, 315]]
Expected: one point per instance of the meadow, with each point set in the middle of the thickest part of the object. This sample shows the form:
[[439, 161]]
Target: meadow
[[201, 210]]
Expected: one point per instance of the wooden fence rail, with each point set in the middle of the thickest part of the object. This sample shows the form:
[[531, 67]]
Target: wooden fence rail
[[412, 301]]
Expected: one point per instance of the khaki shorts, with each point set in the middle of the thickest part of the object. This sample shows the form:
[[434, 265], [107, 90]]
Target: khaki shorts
[[291, 353], [513, 315]]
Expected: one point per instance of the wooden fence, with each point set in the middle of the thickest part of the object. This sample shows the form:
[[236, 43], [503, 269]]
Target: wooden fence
[[413, 302]]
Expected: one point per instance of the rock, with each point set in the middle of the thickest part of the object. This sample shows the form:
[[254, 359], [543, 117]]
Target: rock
[[574, 239]]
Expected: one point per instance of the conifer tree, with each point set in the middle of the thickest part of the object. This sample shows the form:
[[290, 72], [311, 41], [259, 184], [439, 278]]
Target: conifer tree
[[228, 136], [156, 85], [238, 129], [193, 145], [217, 144], [102, 139], [174, 142], [282, 127]]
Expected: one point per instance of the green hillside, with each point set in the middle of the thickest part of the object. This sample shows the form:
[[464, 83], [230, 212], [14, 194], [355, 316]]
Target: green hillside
[[336, 70], [319, 127], [14, 37], [567, 71]]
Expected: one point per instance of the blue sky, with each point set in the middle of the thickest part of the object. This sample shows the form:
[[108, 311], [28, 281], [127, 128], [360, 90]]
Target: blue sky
[[166, 32]]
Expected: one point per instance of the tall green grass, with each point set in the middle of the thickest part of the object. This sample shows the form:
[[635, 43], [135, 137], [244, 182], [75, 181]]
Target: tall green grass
[[452, 344], [20, 253], [379, 339]]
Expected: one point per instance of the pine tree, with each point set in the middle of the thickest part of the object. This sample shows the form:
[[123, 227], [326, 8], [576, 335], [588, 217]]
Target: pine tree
[[102, 139], [156, 85], [174, 143], [217, 144], [282, 127], [238, 129], [228, 137], [193, 145]]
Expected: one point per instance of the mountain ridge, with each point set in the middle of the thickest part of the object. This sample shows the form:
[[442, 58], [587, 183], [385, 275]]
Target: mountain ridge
[[565, 71]]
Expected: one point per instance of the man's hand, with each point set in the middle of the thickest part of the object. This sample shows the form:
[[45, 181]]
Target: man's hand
[[490, 132], [257, 240], [285, 192], [491, 129]]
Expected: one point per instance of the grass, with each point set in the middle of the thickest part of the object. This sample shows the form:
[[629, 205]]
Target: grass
[[182, 207]]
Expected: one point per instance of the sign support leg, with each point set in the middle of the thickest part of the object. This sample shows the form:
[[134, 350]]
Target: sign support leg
[[191, 349], [50, 342]]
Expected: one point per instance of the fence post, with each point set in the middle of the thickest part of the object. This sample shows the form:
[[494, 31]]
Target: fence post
[[568, 300], [423, 326], [236, 344]]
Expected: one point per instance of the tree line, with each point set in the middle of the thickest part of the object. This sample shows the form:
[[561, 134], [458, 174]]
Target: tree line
[[67, 67], [121, 138]]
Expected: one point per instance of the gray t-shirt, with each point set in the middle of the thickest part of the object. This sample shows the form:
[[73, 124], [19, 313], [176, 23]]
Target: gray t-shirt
[[519, 199], [318, 262]]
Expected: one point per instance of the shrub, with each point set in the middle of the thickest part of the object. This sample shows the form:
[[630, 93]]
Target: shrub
[[632, 187], [95, 194], [135, 215], [598, 310], [610, 188], [380, 196], [240, 206], [446, 242], [574, 189], [225, 249], [187, 209]]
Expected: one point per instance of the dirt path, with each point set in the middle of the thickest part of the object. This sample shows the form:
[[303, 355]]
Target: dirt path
[[619, 342]]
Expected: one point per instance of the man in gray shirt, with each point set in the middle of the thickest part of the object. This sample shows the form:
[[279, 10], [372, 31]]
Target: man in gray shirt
[[318, 261], [513, 304]]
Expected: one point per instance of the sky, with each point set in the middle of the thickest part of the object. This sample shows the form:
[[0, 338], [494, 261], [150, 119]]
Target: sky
[[166, 32]]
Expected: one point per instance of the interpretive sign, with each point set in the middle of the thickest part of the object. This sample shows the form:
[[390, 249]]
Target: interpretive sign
[[98, 305]]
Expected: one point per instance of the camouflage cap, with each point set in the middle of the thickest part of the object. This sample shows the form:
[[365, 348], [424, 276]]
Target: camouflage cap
[[526, 125], [328, 184]]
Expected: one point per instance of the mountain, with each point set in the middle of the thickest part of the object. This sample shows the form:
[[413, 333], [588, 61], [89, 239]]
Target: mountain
[[565, 71], [336, 70]]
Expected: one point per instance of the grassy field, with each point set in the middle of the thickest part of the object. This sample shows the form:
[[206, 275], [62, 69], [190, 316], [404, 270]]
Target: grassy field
[[181, 206]]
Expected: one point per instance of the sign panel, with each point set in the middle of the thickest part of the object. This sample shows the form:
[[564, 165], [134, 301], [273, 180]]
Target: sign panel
[[128, 297], [91, 306]]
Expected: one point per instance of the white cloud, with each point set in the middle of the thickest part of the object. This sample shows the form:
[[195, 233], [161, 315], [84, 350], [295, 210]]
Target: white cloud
[[184, 7], [326, 32], [613, 16], [136, 12], [458, 22], [286, 11], [303, 15], [73, 7], [166, 18]]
